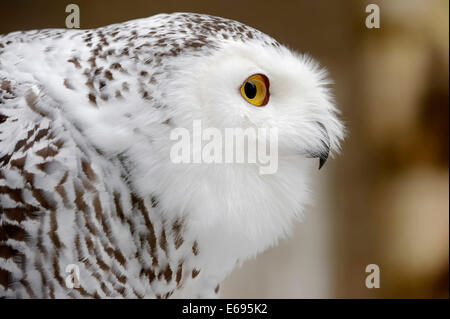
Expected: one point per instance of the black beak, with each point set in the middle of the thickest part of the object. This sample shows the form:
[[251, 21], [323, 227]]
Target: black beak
[[325, 150], [323, 158]]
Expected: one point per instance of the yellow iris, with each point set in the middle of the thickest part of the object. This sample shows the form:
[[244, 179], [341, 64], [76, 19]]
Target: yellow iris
[[255, 90]]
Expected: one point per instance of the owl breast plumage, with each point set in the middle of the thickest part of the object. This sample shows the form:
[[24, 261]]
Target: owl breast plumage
[[68, 196]]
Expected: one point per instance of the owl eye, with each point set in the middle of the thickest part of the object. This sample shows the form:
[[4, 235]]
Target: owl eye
[[255, 90]]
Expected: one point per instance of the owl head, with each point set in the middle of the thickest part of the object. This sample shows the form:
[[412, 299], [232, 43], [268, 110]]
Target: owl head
[[254, 84], [229, 75]]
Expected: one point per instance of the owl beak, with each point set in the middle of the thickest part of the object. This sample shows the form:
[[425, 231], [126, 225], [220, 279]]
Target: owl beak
[[323, 154], [323, 157]]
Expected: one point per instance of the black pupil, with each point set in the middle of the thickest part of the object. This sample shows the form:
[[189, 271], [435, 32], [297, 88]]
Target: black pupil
[[250, 89]]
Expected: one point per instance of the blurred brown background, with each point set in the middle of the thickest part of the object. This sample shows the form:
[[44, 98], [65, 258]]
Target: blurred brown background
[[385, 199]]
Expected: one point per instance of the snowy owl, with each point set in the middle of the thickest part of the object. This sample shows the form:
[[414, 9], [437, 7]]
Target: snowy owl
[[91, 206]]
